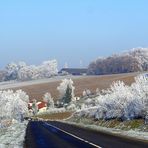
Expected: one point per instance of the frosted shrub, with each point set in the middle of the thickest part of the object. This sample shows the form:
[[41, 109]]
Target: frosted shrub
[[140, 94], [14, 105], [35, 107], [121, 101], [66, 90], [71, 107], [114, 101], [86, 93], [97, 91], [49, 100]]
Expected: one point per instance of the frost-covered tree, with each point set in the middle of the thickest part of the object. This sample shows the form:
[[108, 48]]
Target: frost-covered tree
[[49, 100], [66, 90], [120, 101], [130, 61], [11, 71], [86, 92], [68, 95], [140, 93], [97, 91], [34, 107], [14, 105], [22, 71], [141, 54], [48, 68]]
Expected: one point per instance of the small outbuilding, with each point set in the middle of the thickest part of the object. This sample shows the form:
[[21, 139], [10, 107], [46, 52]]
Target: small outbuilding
[[74, 71]]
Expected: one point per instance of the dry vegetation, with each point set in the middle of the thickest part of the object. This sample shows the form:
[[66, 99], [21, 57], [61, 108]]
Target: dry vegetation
[[36, 91], [55, 116], [114, 123]]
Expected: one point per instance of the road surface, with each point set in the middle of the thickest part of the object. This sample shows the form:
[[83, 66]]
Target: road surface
[[44, 135], [61, 135]]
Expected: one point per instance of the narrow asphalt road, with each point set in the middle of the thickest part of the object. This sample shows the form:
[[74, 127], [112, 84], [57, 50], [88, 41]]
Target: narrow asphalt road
[[42, 135], [55, 134], [104, 140]]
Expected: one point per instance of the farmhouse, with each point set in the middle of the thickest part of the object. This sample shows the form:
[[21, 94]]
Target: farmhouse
[[40, 105], [74, 71]]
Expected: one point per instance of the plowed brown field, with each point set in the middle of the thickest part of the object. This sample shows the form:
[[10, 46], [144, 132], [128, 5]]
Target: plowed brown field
[[37, 91]]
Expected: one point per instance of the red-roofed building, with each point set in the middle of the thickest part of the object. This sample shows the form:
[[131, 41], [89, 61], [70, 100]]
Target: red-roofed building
[[39, 104]]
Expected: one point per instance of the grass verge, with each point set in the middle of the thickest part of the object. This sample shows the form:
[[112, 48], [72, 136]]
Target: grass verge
[[54, 116]]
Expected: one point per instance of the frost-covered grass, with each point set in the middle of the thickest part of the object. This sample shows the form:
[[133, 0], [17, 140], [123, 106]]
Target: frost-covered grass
[[13, 136], [135, 124], [134, 133], [54, 114], [52, 110]]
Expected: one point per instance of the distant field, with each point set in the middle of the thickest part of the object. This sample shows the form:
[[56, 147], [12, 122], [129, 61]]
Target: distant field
[[36, 91]]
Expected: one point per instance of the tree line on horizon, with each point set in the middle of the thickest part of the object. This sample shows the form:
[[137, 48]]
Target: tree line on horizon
[[22, 72], [135, 60]]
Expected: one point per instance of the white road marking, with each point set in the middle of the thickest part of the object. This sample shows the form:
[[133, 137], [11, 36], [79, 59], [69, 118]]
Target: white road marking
[[74, 136]]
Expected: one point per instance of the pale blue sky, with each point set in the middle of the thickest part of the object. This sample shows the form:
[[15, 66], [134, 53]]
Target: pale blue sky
[[70, 30]]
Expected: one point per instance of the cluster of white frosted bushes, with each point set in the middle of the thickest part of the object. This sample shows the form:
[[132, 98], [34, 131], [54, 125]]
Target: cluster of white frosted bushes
[[22, 71], [52, 111], [119, 101], [13, 105]]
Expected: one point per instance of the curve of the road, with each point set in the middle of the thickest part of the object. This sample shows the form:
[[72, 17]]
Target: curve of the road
[[56, 134], [43, 135]]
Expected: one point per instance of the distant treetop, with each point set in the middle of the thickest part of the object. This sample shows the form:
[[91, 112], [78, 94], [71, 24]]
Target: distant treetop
[[134, 60]]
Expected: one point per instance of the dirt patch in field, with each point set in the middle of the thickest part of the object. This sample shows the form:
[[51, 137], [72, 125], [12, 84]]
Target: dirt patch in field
[[37, 91], [55, 116]]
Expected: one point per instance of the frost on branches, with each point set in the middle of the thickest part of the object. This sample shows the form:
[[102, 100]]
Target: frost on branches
[[131, 61], [66, 90], [13, 105], [120, 101], [34, 107], [86, 92], [49, 100], [22, 71]]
